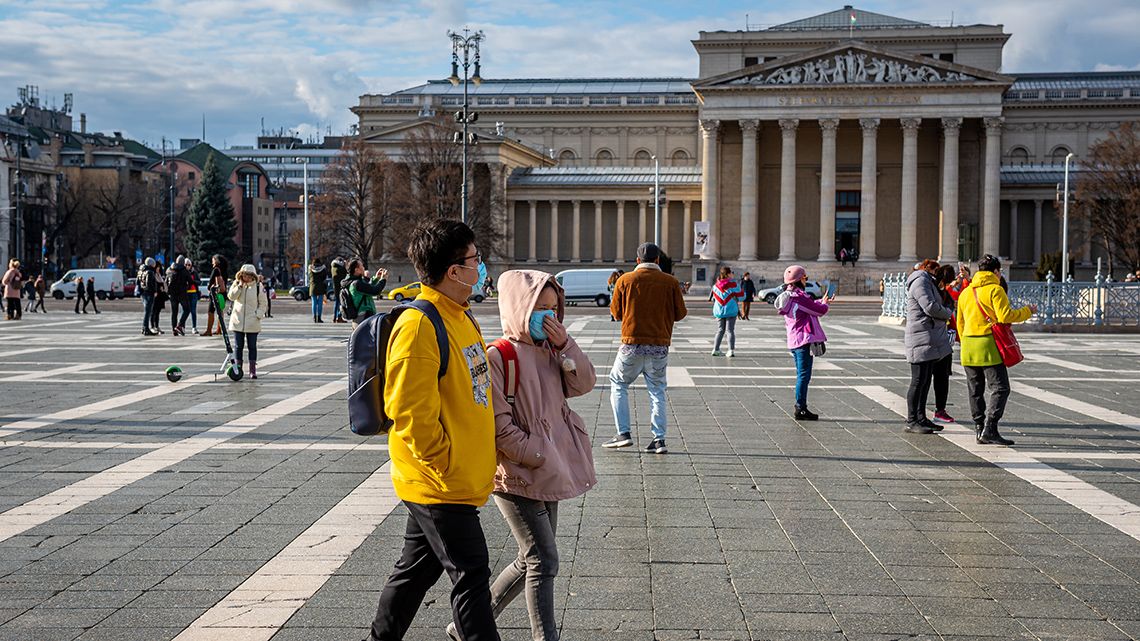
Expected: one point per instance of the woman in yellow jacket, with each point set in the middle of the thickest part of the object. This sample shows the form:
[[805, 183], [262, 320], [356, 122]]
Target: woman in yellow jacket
[[980, 356]]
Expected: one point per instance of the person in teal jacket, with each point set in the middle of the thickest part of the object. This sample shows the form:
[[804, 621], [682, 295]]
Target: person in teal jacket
[[726, 294]]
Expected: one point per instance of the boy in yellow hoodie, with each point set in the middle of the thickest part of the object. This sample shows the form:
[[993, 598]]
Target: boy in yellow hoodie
[[442, 441]]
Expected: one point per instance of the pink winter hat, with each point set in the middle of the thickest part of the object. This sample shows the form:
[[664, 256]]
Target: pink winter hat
[[793, 274]]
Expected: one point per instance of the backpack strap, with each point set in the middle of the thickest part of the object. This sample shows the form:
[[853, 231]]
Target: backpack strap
[[510, 367], [429, 310]]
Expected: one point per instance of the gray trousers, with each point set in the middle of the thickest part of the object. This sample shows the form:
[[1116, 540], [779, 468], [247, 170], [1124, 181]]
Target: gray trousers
[[995, 378], [729, 325], [533, 524]]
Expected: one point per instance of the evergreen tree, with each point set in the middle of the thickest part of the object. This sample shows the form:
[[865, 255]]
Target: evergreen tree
[[210, 224]]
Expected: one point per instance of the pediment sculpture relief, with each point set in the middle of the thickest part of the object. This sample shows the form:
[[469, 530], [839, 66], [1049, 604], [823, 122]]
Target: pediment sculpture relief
[[852, 67]]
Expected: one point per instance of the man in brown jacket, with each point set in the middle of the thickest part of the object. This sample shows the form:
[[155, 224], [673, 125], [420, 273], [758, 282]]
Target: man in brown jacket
[[648, 302]]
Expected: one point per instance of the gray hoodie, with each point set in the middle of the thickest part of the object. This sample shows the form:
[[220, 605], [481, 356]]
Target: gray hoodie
[[927, 337]]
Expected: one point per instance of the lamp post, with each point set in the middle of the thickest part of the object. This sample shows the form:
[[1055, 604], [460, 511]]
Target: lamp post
[[1065, 226], [658, 196], [468, 43], [305, 201]]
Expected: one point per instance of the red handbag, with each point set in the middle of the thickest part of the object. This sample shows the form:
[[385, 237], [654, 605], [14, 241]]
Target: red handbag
[[1006, 342]]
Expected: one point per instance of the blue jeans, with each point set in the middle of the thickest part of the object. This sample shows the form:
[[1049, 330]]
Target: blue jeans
[[336, 303], [148, 310], [804, 361], [318, 305], [625, 371], [194, 310]]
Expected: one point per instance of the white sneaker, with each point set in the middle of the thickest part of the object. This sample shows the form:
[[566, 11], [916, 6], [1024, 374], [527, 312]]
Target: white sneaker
[[732, 353]]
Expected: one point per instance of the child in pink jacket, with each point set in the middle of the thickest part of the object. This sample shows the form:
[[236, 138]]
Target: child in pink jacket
[[801, 318], [544, 448]]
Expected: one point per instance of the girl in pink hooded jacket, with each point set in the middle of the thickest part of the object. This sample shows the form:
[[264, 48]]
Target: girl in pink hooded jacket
[[801, 318], [544, 449]]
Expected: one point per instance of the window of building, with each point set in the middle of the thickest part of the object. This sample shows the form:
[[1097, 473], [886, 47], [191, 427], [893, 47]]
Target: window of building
[[250, 184], [642, 158], [751, 60], [604, 158], [567, 155], [680, 157], [948, 57], [191, 175], [770, 58], [1019, 155], [1059, 152]]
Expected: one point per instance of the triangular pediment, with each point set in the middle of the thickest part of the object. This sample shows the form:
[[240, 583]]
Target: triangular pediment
[[852, 63]]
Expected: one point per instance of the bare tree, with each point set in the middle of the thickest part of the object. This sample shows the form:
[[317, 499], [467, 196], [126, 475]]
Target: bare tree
[[356, 194], [1108, 194]]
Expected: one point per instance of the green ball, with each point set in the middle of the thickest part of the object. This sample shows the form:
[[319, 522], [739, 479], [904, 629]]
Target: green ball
[[174, 373]]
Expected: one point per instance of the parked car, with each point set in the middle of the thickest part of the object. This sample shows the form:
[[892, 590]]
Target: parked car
[[129, 287], [301, 292], [586, 285], [813, 289], [108, 283], [407, 292]]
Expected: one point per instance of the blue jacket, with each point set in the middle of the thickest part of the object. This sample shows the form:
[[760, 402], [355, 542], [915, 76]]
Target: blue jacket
[[726, 294]]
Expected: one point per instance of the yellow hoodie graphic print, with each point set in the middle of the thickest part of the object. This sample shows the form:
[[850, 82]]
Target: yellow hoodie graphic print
[[442, 441]]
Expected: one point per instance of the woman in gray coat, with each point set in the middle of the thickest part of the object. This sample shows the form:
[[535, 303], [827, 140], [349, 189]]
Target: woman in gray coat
[[927, 342]]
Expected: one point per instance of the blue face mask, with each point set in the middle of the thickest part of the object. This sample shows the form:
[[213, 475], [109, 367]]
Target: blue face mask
[[482, 274], [537, 331]]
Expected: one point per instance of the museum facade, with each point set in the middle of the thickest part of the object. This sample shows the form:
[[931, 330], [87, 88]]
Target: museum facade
[[849, 130]]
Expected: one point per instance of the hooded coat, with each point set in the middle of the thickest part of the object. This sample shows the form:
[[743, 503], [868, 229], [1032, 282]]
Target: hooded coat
[[801, 317], [725, 294], [926, 337], [984, 295], [249, 306], [544, 449], [178, 283], [318, 281]]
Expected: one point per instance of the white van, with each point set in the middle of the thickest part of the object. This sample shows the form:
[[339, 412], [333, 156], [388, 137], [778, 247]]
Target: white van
[[108, 283], [586, 284]]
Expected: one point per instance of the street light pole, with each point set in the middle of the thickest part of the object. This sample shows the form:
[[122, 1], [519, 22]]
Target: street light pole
[[469, 43], [305, 199], [1065, 226], [656, 201]]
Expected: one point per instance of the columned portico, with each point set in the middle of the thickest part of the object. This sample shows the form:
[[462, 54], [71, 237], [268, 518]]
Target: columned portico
[[598, 224], [828, 127], [869, 184], [621, 231], [788, 188], [687, 236], [991, 204], [532, 252], [748, 190], [576, 240], [908, 217], [554, 255], [950, 129]]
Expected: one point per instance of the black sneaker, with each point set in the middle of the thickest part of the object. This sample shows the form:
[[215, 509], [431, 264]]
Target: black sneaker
[[621, 440], [657, 446], [804, 414], [927, 423], [918, 428]]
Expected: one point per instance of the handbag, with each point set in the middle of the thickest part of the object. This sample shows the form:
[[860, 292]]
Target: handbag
[[818, 349], [1006, 342]]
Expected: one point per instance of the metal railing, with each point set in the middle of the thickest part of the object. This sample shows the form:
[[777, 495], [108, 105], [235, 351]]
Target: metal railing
[[1100, 302]]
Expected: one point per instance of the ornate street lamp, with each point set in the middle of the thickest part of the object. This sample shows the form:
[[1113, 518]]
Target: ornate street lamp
[[468, 43]]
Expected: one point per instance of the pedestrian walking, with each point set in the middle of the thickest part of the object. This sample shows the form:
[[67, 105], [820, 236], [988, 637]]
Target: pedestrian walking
[[193, 294], [981, 304], [749, 288], [926, 342], [944, 369], [41, 291], [339, 271], [806, 338], [318, 287], [843, 257], [80, 294], [543, 446], [245, 317], [266, 285], [216, 288], [161, 296], [13, 284], [29, 292], [442, 442], [610, 283], [726, 295], [90, 296], [363, 289], [147, 284], [177, 288], [648, 302]]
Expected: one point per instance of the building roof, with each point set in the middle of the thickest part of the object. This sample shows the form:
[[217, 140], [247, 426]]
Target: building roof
[[1077, 80], [602, 176], [1037, 174], [547, 86], [199, 153], [841, 19]]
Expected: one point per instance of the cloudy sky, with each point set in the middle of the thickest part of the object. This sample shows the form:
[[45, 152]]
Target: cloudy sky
[[152, 68]]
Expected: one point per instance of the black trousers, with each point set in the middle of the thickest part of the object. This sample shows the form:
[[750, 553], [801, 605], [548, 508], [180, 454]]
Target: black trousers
[[179, 312], [995, 379], [921, 376], [439, 537], [942, 370]]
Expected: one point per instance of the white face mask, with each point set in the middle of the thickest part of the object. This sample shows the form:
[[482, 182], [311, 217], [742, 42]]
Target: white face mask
[[462, 282]]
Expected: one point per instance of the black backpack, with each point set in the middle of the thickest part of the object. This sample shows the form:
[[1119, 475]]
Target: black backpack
[[367, 356], [348, 308]]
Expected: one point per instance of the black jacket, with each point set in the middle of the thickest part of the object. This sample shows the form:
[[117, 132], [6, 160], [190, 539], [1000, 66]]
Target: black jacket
[[178, 282], [90, 290]]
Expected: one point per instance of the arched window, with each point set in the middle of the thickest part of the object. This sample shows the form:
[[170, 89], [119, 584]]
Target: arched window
[[1059, 152], [604, 158], [1019, 155], [567, 156], [642, 158], [680, 158]]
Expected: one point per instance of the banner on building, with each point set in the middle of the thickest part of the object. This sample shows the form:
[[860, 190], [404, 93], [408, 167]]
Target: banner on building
[[700, 237]]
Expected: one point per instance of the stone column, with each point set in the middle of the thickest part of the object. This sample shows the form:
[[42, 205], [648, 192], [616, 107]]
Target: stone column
[[1037, 230], [710, 183], [621, 231], [642, 221], [908, 220], [533, 253], [748, 215], [597, 231], [991, 218], [576, 241], [665, 227], [788, 188], [949, 250], [868, 214], [828, 127], [554, 255], [1013, 205], [687, 233]]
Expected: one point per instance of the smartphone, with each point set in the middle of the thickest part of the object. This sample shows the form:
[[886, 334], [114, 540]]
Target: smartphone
[[832, 288]]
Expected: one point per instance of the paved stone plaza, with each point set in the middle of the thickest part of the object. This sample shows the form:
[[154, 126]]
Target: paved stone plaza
[[133, 508]]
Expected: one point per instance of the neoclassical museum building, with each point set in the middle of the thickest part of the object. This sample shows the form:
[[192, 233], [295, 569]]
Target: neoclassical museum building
[[850, 129]]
